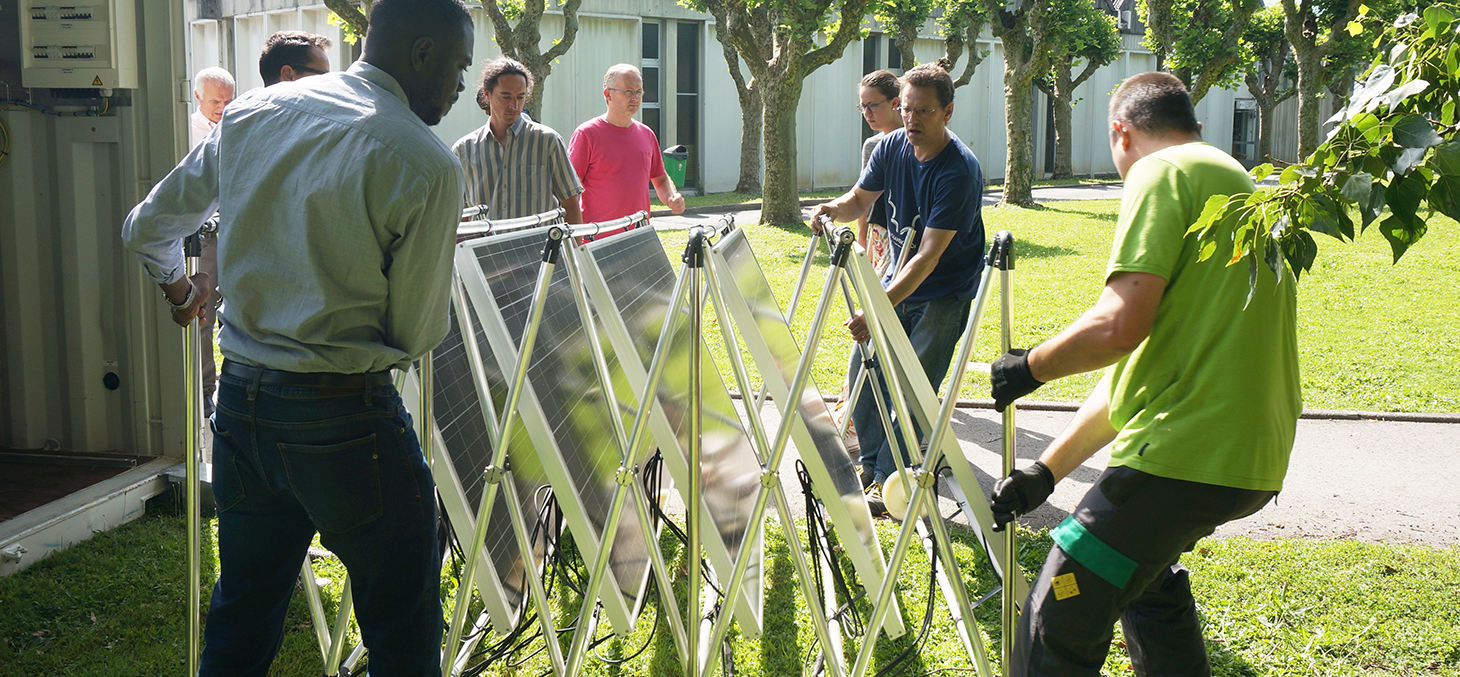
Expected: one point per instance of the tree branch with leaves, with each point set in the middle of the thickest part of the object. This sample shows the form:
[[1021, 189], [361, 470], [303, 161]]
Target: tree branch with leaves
[[1395, 150]]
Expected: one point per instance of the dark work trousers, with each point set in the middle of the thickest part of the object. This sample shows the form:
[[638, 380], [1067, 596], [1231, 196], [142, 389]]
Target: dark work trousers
[[1134, 526], [289, 460], [933, 328]]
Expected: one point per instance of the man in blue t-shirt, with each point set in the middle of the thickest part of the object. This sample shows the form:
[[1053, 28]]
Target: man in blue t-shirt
[[934, 190]]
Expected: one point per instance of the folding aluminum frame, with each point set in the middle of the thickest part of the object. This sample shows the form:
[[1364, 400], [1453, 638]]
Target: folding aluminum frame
[[766, 332], [913, 398], [634, 305]]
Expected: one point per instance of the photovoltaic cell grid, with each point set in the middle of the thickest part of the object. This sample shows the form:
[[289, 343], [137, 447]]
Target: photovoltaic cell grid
[[562, 374], [641, 281], [460, 420]]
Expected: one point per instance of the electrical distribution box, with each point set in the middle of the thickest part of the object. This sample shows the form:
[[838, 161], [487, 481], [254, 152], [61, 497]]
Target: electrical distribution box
[[79, 45]]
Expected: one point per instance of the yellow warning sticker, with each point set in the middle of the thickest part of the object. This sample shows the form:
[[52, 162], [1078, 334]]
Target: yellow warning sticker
[[96, 82], [1064, 586]]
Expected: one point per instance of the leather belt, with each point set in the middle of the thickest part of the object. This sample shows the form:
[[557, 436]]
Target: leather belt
[[316, 379]]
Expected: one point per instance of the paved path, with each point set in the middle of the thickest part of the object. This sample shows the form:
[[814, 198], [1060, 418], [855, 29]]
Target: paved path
[[1378, 481]]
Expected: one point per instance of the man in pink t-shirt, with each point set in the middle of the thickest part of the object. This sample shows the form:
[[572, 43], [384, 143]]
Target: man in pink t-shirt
[[615, 155]]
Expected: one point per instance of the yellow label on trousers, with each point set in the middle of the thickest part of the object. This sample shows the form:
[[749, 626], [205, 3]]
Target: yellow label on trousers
[[1064, 586]]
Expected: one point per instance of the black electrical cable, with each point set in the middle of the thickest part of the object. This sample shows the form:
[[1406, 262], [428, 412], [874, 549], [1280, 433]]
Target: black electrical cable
[[917, 645]]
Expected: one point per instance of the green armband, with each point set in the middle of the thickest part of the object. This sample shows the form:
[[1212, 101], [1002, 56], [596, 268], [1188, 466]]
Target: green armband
[[1097, 556]]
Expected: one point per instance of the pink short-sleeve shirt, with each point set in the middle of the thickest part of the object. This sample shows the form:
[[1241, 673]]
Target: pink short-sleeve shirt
[[616, 165]]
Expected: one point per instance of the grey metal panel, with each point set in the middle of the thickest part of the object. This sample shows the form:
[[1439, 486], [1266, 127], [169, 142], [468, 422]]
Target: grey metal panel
[[564, 386], [641, 281]]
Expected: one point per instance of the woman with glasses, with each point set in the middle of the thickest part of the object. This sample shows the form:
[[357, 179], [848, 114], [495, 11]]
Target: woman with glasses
[[877, 101]]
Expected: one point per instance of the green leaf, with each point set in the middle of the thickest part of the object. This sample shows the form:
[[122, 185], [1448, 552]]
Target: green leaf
[[1272, 255], [1438, 18], [1356, 188], [1414, 131], [1375, 206], [1403, 196], [1380, 79], [1261, 172], [1408, 159], [1355, 28], [1213, 212], [1319, 213], [1304, 250], [1401, 233], [1289, 175], [1444, 196], [1404, 91]]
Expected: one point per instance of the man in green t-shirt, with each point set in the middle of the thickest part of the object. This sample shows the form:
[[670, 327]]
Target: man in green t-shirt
[[1199, 402]]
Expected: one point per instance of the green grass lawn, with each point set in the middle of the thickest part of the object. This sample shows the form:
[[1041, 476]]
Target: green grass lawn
[[1372, 335], [112, 606]]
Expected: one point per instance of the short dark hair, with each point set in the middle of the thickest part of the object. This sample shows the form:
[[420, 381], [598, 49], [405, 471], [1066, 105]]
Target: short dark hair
[[287, 48], [1155, 103], [884, 82], [931, 75], [494, 70], [400, 22]]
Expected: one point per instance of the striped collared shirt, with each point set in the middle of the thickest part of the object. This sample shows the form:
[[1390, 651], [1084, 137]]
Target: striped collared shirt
[[528, 174]]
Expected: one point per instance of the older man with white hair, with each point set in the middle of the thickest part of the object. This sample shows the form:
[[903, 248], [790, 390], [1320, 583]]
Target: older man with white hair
[[213, 90]]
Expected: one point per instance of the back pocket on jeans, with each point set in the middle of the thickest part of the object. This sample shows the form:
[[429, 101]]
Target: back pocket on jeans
[[338, 484]]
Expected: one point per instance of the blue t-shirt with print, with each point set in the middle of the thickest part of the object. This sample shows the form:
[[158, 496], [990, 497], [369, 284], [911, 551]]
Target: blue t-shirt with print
[[946, 193]]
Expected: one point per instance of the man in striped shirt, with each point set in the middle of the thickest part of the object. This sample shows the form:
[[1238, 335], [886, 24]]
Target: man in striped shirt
[[514, 165]]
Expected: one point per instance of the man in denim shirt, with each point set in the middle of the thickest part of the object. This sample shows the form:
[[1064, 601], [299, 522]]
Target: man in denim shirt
[[339, 209]]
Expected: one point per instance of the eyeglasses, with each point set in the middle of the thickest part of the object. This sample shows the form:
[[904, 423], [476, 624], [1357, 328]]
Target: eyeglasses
[[870, 107], [631, 93], [307, 69], [916, 112]]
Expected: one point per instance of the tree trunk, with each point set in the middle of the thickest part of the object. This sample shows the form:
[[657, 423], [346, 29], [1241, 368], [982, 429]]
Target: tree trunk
[[1063, 95], [1018, 123], [1310, 85], [780, 94], [906, 40], [751, 116]]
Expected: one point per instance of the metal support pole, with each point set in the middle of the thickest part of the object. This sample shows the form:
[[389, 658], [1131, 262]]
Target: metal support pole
[[694, 260], [193, 411], [1011, 550]]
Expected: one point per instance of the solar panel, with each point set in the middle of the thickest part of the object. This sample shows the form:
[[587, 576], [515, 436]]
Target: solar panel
[[634, 272], [463, 441], [763, 327], [562, 407]]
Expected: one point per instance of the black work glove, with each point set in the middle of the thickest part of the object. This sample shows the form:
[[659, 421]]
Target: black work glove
[[1020, 492], [1011, 378]]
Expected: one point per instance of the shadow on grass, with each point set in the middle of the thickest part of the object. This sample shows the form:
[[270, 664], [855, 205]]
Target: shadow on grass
[[1097, 215], [780, 646]]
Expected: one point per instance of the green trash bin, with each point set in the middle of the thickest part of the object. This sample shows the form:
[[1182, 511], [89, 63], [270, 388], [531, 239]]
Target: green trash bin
[[675, 158]]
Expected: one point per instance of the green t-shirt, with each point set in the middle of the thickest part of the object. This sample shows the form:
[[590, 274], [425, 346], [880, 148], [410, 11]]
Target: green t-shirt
[[1213, 394]]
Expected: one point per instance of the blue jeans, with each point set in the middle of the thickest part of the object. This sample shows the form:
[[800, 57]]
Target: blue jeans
[[934, 328], [290, 460]]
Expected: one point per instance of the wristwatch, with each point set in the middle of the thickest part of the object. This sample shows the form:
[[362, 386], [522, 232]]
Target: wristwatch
[[192, 289]]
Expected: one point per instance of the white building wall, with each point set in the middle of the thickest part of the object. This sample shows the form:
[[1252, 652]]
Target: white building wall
[[828, 127]]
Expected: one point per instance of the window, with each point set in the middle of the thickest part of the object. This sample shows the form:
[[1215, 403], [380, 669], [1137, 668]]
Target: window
[[687, 93], [649, 111]]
